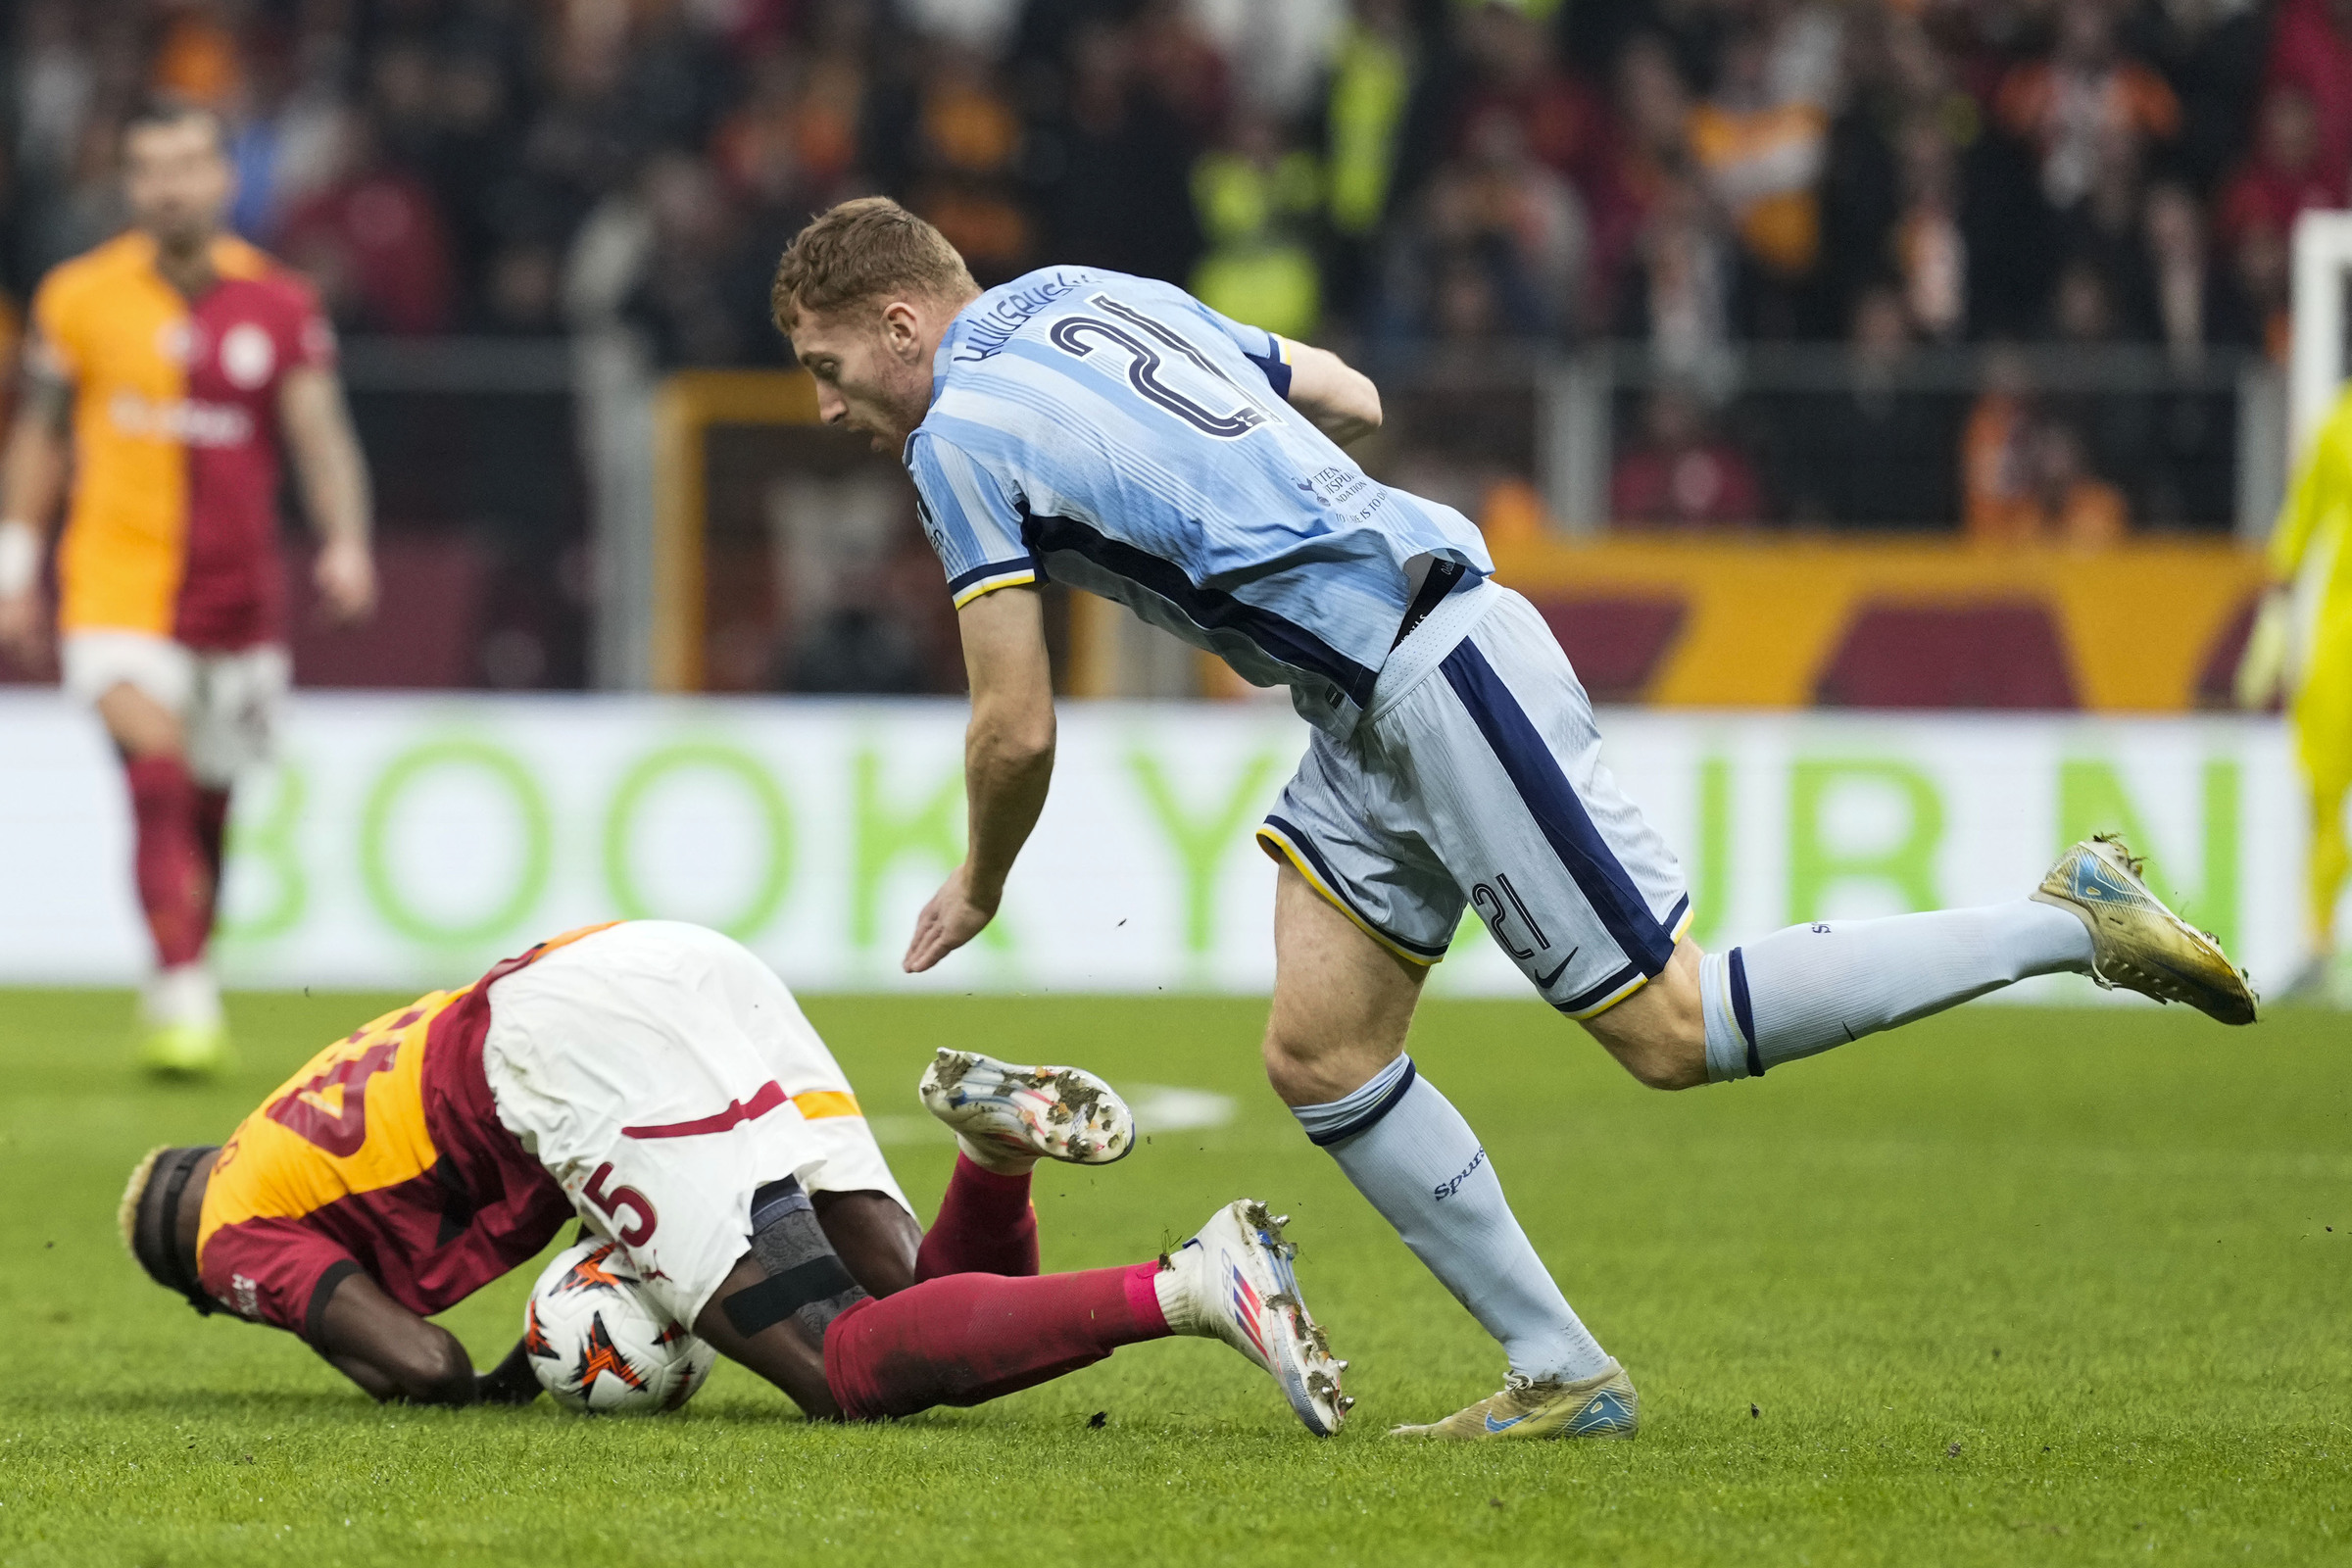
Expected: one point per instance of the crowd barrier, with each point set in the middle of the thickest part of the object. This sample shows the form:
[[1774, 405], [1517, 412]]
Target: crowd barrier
[[1763, 621], [407, 841]]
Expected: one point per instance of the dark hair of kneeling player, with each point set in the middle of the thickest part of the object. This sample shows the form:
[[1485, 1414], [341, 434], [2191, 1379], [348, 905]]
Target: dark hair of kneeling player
[[150, 1219]]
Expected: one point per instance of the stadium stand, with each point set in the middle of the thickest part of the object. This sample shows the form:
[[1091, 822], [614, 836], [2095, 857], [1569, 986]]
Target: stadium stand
[[1796, 234]]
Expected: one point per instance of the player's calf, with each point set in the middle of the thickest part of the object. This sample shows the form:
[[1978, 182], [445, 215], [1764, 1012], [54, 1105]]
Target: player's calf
[[772, 1309], [1811, 988], [968, 1337], [780, 1349]]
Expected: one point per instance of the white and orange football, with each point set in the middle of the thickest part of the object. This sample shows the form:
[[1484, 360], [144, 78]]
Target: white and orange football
[[599, 1343]]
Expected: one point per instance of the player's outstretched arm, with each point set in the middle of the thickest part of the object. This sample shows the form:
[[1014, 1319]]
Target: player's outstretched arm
[[1338, 398], [1008, 763], [334, 486], [389, 1351]]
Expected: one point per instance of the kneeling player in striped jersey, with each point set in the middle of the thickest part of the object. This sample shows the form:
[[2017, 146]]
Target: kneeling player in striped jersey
[[661, 1083]]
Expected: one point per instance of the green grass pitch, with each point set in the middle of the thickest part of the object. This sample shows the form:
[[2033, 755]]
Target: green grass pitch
[[2010, 1286]]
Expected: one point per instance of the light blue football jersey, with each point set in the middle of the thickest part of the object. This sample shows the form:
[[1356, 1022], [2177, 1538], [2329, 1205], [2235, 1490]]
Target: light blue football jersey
[[1117, 434]]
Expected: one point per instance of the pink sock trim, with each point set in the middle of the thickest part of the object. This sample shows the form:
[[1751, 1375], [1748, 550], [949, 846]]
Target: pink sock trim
[[1143, 1299]]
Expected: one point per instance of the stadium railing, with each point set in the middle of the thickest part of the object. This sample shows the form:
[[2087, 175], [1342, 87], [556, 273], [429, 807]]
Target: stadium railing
[[672, 497]]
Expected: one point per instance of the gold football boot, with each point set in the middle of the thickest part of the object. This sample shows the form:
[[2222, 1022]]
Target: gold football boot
[[1603, 1405], [2135, 941]]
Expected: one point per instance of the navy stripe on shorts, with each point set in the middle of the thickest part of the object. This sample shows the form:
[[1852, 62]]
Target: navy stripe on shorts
[[1551, 800]]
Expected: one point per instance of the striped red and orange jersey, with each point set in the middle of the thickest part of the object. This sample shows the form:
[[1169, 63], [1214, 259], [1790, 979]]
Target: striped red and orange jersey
[[172, 528], [384, 1155]]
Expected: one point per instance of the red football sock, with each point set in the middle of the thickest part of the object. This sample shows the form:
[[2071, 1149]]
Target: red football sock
[[967, 1338], [170, 865], [211, 838], [985, 1226]]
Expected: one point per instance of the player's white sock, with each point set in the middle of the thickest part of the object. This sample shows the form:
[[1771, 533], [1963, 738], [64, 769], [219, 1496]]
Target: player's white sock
[[183, 995], [1800, 991], [995, 1156], [1410, 1153]]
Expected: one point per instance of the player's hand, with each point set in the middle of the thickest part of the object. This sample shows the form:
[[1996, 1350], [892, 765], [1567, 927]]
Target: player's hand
[[21, 628], [2262, 667], [510, 1382], [953, 917], [346, 579]]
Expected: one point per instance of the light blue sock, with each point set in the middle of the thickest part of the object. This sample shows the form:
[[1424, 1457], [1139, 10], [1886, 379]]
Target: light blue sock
[[1411, 1154], [1802, 991]]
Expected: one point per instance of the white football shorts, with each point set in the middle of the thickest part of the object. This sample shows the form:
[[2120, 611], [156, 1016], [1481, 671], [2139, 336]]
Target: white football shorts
[[1475, 778], [227, 703], [663, 1074]]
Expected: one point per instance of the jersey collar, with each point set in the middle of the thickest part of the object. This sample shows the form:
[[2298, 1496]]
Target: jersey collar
[[949, 341], [941, 359]]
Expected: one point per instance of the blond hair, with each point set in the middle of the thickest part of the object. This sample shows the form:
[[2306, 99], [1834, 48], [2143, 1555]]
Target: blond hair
[[126, 1215], [861, 250]]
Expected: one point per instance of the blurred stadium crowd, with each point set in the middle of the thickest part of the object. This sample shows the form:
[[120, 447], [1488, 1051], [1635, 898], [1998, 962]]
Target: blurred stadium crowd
[[1938, 200], [1441, 176]]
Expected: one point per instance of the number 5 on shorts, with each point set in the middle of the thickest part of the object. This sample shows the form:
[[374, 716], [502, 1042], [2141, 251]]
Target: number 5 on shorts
[[613, 1202]]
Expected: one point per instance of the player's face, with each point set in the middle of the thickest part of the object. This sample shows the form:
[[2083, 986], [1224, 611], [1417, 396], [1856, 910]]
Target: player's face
[[872, 369], [176, 179]]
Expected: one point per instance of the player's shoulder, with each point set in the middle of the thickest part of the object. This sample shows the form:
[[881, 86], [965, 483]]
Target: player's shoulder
[[261, 275], [965, 429], [102, 267]]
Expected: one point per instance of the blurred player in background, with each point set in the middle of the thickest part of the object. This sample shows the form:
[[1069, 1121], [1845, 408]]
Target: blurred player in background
[[659, 1082], [165, 367], [1118, 435], [2302, 640]]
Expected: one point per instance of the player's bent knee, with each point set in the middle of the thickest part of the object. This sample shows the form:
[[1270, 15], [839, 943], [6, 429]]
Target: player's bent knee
[[1660, 1032], [1659, 1053], [1314, 1071], [876, 1240], [804, 1279], [1287, 1064]]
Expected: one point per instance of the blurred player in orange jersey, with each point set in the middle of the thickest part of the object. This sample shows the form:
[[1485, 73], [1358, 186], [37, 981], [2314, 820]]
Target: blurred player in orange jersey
[[165, 367]]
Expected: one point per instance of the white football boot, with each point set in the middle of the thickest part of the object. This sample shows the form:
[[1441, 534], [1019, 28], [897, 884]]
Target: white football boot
[[1233, 1282], [1028, 1113]]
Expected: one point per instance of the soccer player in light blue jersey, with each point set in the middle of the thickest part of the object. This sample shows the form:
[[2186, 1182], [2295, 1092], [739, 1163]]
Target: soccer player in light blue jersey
[[1117, 434]]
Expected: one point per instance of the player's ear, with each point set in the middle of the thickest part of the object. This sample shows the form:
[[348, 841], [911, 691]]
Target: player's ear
[[903, 328]]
